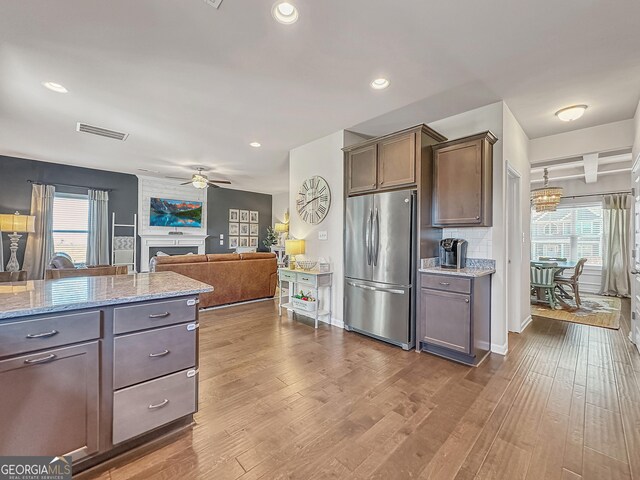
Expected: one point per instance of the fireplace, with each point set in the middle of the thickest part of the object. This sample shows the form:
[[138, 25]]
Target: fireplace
[[171, 244]]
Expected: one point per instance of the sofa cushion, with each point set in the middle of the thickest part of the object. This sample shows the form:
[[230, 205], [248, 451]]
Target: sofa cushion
[[222, 257], [174, 259], [256, 255]]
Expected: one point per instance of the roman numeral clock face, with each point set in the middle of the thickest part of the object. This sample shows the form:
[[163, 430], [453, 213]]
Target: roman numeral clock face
[[314, 200]]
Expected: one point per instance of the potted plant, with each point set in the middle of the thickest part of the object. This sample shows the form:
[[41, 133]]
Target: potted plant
[[271, 239]]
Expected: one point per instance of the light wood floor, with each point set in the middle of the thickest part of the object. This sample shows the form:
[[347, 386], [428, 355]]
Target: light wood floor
[[280, 400]]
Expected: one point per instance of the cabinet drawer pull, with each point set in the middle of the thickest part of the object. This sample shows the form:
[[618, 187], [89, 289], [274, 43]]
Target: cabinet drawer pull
[[466, 300], [43, 335], [160, 354], [478, 217], [445, 283], [48, 358], [159, 315], [159, 405]]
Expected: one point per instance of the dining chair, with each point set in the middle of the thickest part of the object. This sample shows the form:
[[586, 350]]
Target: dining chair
[[572, 281], [19, 276], [542, 280]]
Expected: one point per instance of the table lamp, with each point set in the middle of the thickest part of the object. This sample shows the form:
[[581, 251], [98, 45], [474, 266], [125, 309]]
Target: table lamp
[[281, 229], [293, 248], [14, 223]]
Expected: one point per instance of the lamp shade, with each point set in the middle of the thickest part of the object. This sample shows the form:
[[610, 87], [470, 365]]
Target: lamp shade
[[294, 247], [281, 227], [10, 222]]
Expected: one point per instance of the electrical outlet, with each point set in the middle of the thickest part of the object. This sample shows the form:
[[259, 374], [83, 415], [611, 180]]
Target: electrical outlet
[[221, 242], [322, 235], [222, 236]]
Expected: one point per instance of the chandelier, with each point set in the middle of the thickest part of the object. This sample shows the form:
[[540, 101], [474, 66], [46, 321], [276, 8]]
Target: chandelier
[[547, 198]]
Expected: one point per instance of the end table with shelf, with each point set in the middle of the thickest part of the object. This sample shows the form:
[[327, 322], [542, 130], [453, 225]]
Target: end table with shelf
[[310, 280]]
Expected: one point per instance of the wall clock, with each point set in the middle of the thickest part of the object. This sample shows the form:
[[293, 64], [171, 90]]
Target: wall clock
[[314, 200]]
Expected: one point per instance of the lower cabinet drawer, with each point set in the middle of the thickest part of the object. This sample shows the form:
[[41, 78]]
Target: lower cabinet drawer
[[445, 282], [287, 276], [138, 357], [141, 408], [131, 318], [306, 279]]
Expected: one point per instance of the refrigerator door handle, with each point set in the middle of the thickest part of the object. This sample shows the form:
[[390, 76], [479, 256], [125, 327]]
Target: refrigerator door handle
[[377, 289], [376, 239], [367, 236]]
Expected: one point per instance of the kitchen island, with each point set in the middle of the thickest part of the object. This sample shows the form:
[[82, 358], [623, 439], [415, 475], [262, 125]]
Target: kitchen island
[[91, 367]]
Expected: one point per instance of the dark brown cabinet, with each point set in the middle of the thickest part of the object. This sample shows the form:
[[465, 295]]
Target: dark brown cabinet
[[454, 316], [397, 161], [390, 162], [50, 402], [463, 181], [362, 169]]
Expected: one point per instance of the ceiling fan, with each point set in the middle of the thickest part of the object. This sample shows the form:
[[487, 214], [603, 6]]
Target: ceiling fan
[[200, 180]]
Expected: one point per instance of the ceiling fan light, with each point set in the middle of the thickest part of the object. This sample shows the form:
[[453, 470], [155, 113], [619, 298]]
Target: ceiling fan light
[[199, 181]]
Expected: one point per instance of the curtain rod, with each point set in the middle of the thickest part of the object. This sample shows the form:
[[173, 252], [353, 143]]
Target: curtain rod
[[627, 192], [70, 185]]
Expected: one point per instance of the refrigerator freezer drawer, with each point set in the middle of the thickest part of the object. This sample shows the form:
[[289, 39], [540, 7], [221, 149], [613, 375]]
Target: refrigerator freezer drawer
[[381, 311]]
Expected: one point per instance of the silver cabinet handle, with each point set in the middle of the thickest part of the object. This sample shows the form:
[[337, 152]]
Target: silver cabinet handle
[[159, 315], [376, 239], [367, 236], [48, 358], [159, 405], [478, 217], [634, 272], [160, 354], [445, 283], [376, 289], [466, 300], [43, 335]]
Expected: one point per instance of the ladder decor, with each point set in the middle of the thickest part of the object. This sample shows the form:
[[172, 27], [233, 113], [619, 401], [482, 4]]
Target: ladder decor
[[123, 247]]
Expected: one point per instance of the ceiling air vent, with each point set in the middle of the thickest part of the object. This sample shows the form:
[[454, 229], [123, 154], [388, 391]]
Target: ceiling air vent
[[103, 132]]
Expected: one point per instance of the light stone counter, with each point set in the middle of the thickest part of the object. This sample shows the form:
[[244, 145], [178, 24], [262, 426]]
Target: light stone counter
[[36, 297], [463, 272]]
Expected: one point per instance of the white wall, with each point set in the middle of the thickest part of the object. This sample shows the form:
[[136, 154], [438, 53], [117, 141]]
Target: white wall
[[279, 204], [635, 328], [636, 134], [516, 155], [602, 138], [492, 239], [321, 157]]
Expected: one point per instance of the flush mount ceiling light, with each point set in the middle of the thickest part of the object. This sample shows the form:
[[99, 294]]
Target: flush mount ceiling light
[[285, 12], [255, 144], [379, 84], [546, 199], [55, 87], [572, 113]]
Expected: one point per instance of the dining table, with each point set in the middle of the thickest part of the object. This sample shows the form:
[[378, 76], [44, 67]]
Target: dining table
[[561, 267]]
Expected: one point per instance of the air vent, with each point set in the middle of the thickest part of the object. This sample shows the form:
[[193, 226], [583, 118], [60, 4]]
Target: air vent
[[103, 132], [214, 3]]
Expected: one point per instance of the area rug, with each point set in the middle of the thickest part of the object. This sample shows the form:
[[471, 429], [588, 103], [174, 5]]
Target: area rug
[[595, 310]]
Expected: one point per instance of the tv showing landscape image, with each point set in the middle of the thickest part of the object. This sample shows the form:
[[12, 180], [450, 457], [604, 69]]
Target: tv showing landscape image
[[175, 213]]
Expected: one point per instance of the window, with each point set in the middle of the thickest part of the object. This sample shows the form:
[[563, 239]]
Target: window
[[71, 225], [571, 231]]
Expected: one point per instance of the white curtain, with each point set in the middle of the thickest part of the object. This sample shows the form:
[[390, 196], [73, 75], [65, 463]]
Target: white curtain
[[98, 238], [39, 248], [616, 216]]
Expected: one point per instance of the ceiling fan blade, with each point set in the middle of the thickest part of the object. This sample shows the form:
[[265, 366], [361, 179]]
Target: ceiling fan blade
[[186, 183], [226, 182], [177, 178]]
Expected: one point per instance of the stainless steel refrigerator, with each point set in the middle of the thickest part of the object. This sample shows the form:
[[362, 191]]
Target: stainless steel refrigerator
[[380, 253]]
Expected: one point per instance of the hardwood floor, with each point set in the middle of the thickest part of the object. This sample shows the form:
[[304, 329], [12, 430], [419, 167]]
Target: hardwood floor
[[281, 400]]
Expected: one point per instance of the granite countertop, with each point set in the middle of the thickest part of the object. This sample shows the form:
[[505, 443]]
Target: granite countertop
[[463, 272], [35, 297]]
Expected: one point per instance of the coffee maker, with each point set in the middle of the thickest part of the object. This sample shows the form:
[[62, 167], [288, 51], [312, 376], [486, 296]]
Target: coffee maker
[[453, 253]]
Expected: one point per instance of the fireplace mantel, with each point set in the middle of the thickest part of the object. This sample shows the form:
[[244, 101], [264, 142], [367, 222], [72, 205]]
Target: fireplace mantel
[[165, 240]]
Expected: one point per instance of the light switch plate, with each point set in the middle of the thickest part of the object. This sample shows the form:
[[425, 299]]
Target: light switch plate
[[322, 235], [221, 242], [222, 236]]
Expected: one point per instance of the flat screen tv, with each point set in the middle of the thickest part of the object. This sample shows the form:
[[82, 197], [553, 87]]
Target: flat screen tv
[[175, 213]]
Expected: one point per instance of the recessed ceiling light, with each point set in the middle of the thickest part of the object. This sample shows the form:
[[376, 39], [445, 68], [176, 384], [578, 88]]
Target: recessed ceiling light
[[380, 84], [255, 144], [55, 87], [569, 114], [285, 12]]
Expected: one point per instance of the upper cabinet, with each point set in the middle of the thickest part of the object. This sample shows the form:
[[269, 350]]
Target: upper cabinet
[[463, 181], [388, 162]]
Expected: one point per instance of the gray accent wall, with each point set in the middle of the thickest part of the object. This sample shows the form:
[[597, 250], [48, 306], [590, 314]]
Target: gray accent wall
[[219, 201], [15, 191]]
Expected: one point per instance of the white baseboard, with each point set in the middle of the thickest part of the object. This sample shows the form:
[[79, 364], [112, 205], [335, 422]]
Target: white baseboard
[[526, 323], [336, 322], [499, 349]]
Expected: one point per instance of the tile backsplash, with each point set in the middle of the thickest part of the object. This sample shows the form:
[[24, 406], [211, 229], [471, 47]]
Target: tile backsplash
[[479, 238]]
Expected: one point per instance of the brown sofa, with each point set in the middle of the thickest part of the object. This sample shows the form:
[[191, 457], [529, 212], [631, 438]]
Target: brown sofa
[[234, 277]]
